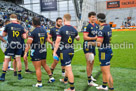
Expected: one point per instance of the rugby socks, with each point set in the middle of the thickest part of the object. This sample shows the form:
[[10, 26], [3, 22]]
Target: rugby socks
[[3, 74], [19, 73], [65, 79], [111, 89], [71, 86], [63, 70], [52, 70], [89, 79], [50, 76], [15, 73], [39, 82], [104, 84]]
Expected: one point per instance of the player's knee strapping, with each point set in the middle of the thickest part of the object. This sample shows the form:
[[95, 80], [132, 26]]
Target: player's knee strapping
[[91, 57]]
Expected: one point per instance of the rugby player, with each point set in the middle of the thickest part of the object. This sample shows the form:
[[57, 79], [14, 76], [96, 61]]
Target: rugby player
[[65, 39], [105, 52], [53, 35], [3, 44], [90, 34], [22, 54], [15, 33], [37, 39]]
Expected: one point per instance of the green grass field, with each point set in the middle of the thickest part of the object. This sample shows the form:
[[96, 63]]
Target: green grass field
[[123, 69]]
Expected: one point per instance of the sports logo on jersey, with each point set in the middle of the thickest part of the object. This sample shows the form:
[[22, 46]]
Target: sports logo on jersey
[[11, 28], [67, 32], [39, 34], [91, 27], [56, 29], [96, 26], [100, 33], [101, 28]]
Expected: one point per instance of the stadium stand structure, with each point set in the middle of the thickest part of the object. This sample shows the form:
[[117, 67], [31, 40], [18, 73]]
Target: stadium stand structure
[[24, 15]]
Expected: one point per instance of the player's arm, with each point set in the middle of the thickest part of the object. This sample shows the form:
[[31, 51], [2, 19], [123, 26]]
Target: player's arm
[[99, 40], [77, 37], [56, 46], [98, 43], [24, 36], [49, 39], [85, 34], [4, 34], [26, 33], [28, 45], [2, 39], [57, 42]]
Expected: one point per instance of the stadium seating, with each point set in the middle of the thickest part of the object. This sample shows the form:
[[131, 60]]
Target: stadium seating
[[24, 15]]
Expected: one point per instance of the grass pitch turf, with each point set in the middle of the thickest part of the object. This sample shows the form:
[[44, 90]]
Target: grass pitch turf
[[123, 69]]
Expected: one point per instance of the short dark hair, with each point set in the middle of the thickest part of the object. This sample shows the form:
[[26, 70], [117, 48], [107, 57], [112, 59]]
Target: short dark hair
[[36, 21], [91, 14], [59, 18], [101, 17]]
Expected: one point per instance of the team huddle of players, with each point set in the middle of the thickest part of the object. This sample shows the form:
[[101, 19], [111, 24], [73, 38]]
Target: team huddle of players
[[61, 38]]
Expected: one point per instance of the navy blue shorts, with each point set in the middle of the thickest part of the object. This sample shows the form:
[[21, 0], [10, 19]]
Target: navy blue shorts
[[105, 56], [37, 55], [66, 57], [12, 52], [88, 49]]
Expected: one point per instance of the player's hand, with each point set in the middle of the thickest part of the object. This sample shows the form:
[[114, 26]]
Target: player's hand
[[54, 54], [95, 37], [5, 42]]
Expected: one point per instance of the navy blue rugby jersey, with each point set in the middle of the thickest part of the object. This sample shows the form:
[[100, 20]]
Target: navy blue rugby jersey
[[39, 36], [15, 32], [105, 32], [67, 33]]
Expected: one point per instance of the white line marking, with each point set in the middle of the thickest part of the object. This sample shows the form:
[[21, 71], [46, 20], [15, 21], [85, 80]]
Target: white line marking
[[79, 50]]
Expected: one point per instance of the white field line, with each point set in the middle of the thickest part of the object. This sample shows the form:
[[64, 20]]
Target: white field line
[[78, 49]]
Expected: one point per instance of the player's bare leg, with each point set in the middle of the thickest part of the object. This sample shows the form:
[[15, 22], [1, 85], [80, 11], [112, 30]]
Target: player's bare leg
[[5, 67], [19, 66], [65, 79], [37, 65], [53, 65], [107, 77], [26, 67], [70, 75], [26, 64], [14, 66], [47, 69], [89, 69]]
